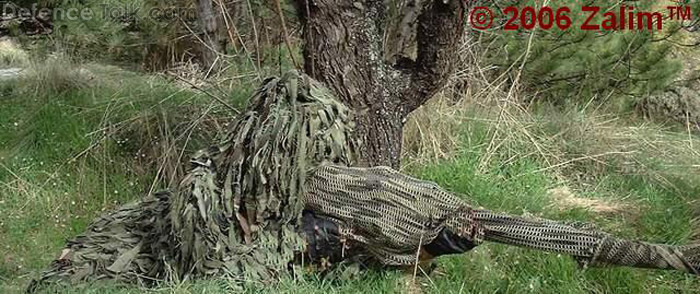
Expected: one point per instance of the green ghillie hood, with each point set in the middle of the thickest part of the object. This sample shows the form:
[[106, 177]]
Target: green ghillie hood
[[237, 212]]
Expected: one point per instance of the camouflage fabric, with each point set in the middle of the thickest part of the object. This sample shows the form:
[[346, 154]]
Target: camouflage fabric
[[238, 210], [279, 189], [396, 218], [124, 245]]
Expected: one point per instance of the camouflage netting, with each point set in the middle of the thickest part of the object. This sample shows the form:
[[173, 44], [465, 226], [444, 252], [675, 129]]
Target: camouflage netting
[[394, 218], [280, 189]]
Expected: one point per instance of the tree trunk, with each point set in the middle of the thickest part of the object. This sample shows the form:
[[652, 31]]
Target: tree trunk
[[210, 38], [345, 49]]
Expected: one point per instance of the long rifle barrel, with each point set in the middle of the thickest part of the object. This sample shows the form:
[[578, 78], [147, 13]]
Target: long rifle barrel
[[586, 245]]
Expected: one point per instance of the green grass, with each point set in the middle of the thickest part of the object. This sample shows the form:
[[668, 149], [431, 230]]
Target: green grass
[[497, 268], [69, 152], [57, 173]]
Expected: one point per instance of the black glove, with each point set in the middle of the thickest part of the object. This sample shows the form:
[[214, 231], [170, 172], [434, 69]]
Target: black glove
[[448, 242], [322, 237]]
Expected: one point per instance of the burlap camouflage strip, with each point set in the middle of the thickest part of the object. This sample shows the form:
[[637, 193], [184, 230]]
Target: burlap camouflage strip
[[279, 188]]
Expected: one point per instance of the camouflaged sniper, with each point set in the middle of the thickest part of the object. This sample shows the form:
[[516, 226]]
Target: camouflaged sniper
[[280, 191]]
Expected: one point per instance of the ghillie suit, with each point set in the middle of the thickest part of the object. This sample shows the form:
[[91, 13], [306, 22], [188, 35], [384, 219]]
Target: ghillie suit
[[237, 212], [279, 191]]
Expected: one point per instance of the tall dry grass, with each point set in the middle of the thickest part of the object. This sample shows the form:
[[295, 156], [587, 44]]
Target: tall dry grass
[[574, 142], [580, 146]]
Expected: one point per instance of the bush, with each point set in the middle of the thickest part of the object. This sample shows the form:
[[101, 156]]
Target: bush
[[118, 30]]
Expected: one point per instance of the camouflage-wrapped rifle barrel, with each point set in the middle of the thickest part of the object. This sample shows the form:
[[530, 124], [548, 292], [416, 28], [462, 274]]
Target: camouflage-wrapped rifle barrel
[[391, 217], [280, 190]]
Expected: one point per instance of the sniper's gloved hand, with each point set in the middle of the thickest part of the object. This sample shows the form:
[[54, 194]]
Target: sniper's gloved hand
[[447, 242], [322, 237]]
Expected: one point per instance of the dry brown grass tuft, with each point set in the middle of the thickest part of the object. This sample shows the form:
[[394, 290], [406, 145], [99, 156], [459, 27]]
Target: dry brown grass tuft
[[474, 97], [431, 132], [565, 199], [11, 54], [57, 73], [575, 144]]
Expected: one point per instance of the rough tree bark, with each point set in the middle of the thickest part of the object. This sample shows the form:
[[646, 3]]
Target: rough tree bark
[[210, 36], [345, 49], [400, 37]]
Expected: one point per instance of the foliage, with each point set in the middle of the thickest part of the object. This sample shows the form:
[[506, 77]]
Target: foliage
[[159, 34], [67, 156], [581, 65], [119, 30], [80, 139]]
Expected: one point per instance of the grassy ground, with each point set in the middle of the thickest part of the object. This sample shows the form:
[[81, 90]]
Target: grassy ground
[[97, 137]]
